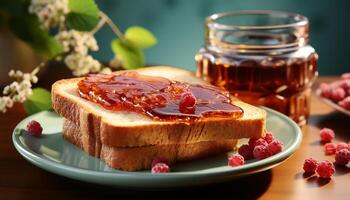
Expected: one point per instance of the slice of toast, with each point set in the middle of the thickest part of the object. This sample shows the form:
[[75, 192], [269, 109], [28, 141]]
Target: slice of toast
[[138, 158], [127, 129]]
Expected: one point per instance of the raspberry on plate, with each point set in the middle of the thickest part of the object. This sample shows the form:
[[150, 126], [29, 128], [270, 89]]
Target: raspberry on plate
[[310, 165], [330, 148], [325, 169], [327, 135], [345, 103], [251, 142], [326, 90], [246, 151], [235, 160], [274, 147], [268, 137], [345, 76], [341, 146], [342, 157], [34, 128], [160, 168], [256, 142], [157, 160], [338, 94], [261, 152]]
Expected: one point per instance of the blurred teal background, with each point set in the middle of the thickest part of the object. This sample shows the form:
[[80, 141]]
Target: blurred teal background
[[178, 25]]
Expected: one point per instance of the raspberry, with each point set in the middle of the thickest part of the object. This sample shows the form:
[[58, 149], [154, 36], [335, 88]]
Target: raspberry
[[342, 145], [34, 128], [187, 103], [256, 142], [330, 148], [235, 160], [338, 94], [326, 90], [251, 142], [268, 137], [310, 165], [345, 76], [345, 103], [342, 157], [326, 135], [157, 160], [260, 152], [274, 147], [160, 168], [345, 84], [246, 151], [325, 169]]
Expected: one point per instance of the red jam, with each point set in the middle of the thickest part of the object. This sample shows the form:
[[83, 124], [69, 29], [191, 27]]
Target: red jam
[[157, 97]]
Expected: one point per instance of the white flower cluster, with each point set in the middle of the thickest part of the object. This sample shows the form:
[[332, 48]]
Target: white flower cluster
[[19, 90], [78, 44], [76, 41], [51, 13]]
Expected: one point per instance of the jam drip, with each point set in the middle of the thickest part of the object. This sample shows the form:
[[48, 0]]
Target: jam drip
[[156, 97]]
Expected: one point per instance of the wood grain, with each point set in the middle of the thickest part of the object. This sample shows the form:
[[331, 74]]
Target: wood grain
[[21, 180]]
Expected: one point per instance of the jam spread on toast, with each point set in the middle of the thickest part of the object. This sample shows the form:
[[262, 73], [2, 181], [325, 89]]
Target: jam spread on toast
[[158, 98]]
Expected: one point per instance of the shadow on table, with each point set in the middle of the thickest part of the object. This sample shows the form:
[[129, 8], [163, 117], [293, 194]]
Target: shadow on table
[[248, 187], [337, 121]]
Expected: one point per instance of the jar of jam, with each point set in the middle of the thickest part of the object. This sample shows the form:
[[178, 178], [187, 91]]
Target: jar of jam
[[262, 57]]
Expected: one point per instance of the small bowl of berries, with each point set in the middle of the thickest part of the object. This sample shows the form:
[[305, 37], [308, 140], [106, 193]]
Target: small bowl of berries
[[336, 94]]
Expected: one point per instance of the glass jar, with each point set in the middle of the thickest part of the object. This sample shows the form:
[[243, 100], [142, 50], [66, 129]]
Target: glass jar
[[262, 57]]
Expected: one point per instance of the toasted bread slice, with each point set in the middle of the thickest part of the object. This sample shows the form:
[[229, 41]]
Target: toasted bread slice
[[138, 158], [127, 129]]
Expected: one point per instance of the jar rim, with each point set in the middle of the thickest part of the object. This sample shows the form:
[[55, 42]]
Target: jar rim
[[212, 20]]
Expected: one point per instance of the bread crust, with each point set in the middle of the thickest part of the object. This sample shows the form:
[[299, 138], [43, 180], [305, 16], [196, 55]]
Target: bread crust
[[251, 125]]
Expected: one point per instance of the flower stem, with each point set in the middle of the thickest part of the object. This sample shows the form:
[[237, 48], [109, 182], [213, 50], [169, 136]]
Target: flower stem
[[113, 27]]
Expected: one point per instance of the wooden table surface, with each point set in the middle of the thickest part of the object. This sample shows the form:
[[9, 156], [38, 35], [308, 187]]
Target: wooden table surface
[[21, 180]]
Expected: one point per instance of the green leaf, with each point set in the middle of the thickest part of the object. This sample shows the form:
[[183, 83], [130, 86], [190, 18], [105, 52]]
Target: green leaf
[[28, 29], [83, 15], [40, 100], [131, 56], [140, 37]]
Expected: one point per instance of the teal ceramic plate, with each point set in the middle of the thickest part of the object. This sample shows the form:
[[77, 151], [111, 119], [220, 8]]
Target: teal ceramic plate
[[52, 153]]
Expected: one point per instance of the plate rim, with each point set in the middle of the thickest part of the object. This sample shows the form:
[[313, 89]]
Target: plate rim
[[331, 103], [249, 168]]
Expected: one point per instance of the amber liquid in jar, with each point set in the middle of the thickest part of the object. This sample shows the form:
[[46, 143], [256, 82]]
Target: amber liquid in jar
[[273, 73]]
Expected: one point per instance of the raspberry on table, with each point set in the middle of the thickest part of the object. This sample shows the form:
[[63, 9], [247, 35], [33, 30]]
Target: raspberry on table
[[268, 137], [325, 169], [157, 160], [330, 148], [187, 103], [310, 165], [34, 128], [338, 94], [235, 160], [160, 168], [326, 90], [342, 145], [274, 147], [261, 152], [345, 103], [246, 151], [327, 135], [342, 157]]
